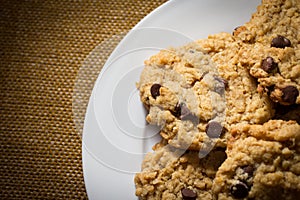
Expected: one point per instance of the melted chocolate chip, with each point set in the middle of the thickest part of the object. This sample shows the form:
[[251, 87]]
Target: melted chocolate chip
[[269, 64], [290, 94], [184, 112], [220, 85], [280, 42], [248, 169], [177, 111], [181, 111], [188, 194], [214, 129], [155, 90], [239, 190]]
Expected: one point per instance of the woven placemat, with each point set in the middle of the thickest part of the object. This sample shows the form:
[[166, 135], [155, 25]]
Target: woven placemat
[[45, 90]]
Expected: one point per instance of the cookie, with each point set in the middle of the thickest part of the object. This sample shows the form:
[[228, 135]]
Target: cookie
[[170, 173], [263, 162], [270, 49], [197, 92]]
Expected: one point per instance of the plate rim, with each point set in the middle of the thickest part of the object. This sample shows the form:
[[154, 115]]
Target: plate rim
[[113, 55]]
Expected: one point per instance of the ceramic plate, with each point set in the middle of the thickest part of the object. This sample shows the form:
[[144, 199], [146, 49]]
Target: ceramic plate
[[115, 135]]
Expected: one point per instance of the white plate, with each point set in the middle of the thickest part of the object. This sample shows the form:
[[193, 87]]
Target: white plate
[[115, 135]]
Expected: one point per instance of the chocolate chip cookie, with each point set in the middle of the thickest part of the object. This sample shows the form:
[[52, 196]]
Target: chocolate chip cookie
[[170, 173], [263, 162], [270, 49], [238, 92], [197, 92]]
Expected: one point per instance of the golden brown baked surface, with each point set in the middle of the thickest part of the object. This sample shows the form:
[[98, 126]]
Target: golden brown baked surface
[[263, 162], [188, 87], [238, 91], [271, 49]]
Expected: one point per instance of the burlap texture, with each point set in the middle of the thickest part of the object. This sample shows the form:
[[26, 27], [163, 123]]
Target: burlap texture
[[45, 90]]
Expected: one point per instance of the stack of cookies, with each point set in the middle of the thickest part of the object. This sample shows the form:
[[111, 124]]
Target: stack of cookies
[[229, 111]]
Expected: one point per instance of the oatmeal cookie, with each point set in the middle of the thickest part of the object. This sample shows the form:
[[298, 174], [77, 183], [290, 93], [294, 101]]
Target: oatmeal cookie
[[197, 92], [169, 173], [270, 49], [263, 162]]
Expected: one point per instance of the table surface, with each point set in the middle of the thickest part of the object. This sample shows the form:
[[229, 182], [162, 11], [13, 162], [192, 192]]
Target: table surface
[[45, 91]]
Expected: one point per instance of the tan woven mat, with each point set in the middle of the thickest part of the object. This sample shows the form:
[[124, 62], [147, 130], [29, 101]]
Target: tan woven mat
[[45, 90]]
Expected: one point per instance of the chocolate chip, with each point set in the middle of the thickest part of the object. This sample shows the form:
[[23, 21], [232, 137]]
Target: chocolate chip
[[269, 64], [239, 190], [280, 42], [290, 94], [248, 169], [181, 111], [214, 129], [270, 89], [185, 112], [177, 111], [188, 194], [220, 86], [155, 90]]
